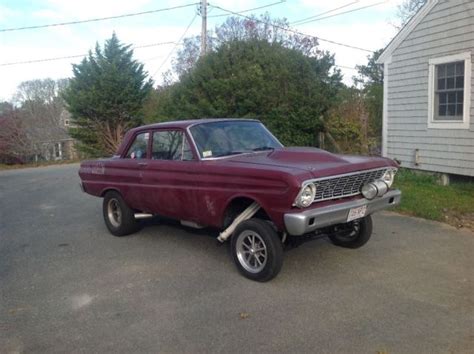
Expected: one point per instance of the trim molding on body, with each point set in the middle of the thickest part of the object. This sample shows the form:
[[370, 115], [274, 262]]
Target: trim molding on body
[[307, 221]]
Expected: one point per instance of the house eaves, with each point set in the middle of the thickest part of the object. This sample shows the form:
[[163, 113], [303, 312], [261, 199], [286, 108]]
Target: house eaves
[[405, 31]]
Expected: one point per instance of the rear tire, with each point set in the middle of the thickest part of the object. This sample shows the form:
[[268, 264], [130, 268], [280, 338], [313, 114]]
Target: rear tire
[[118, 216], [257, 250], [354, 234]]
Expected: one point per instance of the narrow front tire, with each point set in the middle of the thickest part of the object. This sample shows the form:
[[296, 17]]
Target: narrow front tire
[[354, 234], [257, 250]]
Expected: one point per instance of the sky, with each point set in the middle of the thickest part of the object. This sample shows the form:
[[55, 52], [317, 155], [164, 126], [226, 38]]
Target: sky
[[370, 28]]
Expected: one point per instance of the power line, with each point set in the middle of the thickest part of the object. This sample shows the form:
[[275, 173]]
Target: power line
[[294, 31], [252, 9], [96, 19], [343, 13], [175, 46], [325, 12], [345, 67], [76, 56]]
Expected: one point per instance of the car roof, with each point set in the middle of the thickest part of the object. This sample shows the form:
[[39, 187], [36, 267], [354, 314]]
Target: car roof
[[183, 124]]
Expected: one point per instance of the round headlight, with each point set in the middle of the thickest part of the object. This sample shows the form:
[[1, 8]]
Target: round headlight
[[369, 191], [388, 176], [306, 196]]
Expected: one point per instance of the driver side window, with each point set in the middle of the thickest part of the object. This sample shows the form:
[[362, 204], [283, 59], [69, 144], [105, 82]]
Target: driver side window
[[138, 150], [170, 145]]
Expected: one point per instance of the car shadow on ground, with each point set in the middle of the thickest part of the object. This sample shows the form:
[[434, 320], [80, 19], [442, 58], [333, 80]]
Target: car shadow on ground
[[212, 233]]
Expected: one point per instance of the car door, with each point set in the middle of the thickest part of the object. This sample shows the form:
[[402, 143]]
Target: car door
[[169, 176], [129, 170]]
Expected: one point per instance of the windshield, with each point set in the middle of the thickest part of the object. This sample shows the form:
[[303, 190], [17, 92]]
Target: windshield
[[224, 138]]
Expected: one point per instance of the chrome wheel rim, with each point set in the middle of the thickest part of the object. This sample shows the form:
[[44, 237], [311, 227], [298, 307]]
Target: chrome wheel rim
[[114, 212], [251, 251]]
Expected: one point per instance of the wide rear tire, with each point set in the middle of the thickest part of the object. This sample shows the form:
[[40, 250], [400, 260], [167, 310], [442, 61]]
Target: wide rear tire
[[118, 216]]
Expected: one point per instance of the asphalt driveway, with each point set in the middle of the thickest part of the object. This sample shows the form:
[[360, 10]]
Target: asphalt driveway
[[66, 285]]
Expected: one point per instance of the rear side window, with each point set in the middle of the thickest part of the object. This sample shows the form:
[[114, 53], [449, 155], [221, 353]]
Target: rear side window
[[170, 145], [138, 150]]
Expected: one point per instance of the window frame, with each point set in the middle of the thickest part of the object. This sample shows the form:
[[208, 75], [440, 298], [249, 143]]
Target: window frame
[[195, 146], [449, 124], [130, 143], [185, 138]]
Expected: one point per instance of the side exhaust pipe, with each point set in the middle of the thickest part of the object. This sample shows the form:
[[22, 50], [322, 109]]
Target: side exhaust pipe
[[140, 216]]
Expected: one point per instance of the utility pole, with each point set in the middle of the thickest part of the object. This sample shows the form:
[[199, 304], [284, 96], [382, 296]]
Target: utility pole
[[203, 27]]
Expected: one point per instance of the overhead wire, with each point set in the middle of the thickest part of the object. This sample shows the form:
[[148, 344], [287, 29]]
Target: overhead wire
[[176, 45], [293, 30], [325, 12], [96, 19], [345, 67], [182, 36], [77, 55], [252, 9], [341, 13]]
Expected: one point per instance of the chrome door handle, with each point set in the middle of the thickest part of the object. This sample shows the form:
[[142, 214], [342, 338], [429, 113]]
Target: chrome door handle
[[143, 164]]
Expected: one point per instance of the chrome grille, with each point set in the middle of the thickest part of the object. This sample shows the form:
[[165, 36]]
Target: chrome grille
[[344, 185]]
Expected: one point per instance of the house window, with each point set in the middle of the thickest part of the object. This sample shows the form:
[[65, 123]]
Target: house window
[[449, 91]]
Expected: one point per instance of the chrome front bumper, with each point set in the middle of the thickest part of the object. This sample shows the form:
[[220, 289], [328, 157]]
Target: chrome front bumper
[[309, 220]]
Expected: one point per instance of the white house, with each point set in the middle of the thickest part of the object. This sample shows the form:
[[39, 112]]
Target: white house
[[428, 116]]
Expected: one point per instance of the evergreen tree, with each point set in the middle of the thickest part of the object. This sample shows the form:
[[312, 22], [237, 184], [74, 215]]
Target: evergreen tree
[[106, 96], [288, 90]]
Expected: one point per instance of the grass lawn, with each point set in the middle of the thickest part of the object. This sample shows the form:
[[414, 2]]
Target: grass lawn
[[422, 196]]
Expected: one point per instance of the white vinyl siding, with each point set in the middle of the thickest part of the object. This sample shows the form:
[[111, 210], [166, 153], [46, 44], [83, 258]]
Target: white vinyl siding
[[445, 145]]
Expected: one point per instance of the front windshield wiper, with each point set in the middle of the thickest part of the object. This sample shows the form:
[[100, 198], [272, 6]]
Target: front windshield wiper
[[263, 148], [229, 153]]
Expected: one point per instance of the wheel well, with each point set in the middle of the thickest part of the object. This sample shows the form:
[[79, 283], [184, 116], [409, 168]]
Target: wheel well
[[105, 191], [237, 206]]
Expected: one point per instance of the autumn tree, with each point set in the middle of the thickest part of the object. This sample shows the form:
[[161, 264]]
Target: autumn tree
[[106, 96], [14, 144], [370, 82], [39, 107], [262, 28], [407, 9], [346, 123]]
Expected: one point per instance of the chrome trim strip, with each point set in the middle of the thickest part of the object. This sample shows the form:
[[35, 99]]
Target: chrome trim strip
[[306, 221], [349, 174], [193, 142], [215, 120]]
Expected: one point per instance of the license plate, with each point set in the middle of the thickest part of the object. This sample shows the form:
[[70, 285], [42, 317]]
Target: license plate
[[357, 213]]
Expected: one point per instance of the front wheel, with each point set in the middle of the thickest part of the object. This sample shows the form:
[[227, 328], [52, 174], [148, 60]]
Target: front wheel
[[257, 250], [354, 234]]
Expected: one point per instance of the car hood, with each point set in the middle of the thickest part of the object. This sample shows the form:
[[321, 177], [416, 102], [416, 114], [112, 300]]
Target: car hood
[[317, 162]]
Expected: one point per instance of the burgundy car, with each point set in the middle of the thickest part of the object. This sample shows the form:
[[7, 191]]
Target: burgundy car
[[234, 175]]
